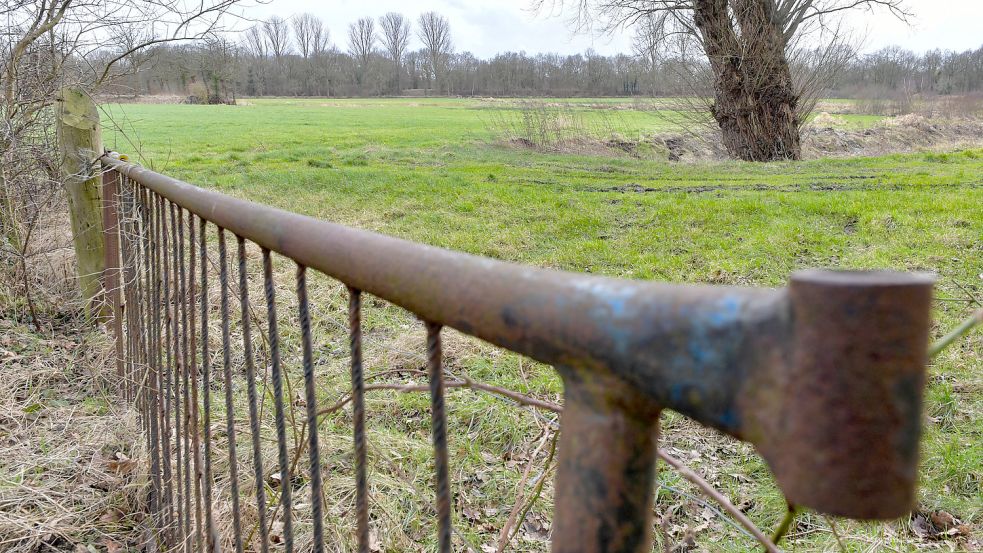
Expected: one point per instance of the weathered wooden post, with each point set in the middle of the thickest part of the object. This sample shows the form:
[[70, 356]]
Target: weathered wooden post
[[80, 144]]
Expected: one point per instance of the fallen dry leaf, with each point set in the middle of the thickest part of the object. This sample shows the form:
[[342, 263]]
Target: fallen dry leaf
[[375, 544], [121, 466], [276, 532], [938, 526], [943, 520], [471, 513], [112, 546], [111, 517]]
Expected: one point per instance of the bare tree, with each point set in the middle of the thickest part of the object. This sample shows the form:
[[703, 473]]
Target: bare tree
[[255, 40], [303, 25], [748, 45], [361, 42], [435, 33], [395, 39], [320, 38], [312, 39], [277, 32], [50, 45]]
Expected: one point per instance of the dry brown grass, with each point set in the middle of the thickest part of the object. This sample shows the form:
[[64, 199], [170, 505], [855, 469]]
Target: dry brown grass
[[71, 460]]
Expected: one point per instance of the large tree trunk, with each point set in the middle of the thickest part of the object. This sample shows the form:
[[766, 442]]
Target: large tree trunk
[[754, 98]]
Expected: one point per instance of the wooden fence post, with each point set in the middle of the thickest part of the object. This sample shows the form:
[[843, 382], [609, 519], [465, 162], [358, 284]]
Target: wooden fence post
[[80, 143]]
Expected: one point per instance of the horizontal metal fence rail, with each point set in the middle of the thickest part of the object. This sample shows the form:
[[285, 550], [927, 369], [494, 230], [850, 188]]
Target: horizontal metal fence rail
[[824, 377]]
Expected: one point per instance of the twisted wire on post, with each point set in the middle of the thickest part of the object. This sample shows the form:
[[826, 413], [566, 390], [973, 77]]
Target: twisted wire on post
[[206, 386], [247, 345], [439, 422], [281, 429], [358, 413], [229, 412], [311, 399]]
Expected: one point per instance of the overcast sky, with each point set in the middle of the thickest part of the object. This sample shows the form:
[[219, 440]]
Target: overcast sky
[[492, 26]]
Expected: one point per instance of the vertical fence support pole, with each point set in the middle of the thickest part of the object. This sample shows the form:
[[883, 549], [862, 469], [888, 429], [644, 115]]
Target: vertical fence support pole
[[606, 473], [111, 272], [80, 143]]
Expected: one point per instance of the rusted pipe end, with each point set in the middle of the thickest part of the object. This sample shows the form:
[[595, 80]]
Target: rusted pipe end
[[848, 442]]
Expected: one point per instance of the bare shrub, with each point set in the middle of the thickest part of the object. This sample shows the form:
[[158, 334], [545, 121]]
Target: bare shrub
[[558, 127], [197, 93], [51, 46], [890, 103], [954, 107]]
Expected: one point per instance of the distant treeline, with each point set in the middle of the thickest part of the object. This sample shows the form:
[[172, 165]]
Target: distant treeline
[[297, 58]]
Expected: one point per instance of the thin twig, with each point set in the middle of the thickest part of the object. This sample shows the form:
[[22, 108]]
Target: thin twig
[[832, 527], [785, 524], [505, 534], [722, 500], [964, 328], [968, 292], [523, 399], [460, 383], [539, 487]]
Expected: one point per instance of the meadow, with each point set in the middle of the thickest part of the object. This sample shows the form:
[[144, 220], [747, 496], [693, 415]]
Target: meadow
[[438, 171]]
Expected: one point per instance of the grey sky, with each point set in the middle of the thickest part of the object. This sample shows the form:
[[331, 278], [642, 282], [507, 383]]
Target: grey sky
[[486, 28]]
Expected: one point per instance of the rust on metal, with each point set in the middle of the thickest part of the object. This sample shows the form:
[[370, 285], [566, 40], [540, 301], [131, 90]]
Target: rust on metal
[[824, 377], [358, 421], [111, 271]]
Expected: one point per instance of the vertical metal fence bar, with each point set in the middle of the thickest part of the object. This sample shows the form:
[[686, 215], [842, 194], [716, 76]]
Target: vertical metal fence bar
[[185, 380], [229, 407], [130, 286], [358, 414], [439, 422], [125, 289], [156, 356], [193, 380], [311, 399], [138, 362], [176, 370], [151, 380], [206, 387], [131, 304], [111, 280], [165, 372], [138, 368], [247, 345], [281, 430]]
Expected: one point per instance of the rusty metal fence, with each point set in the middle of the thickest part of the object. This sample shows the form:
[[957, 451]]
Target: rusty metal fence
[[824, 377]]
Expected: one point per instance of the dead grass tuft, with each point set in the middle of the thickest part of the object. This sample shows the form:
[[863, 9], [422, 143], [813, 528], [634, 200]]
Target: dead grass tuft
[[72, 467]]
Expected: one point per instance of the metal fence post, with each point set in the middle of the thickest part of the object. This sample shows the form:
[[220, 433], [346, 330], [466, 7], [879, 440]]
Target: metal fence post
[[607, 454]]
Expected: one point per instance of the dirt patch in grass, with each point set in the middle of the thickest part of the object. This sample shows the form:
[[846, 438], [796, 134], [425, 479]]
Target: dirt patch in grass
[[825, 137]]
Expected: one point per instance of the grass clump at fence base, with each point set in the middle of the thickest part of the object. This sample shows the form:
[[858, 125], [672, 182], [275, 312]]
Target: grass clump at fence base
[[72, 467], [433, 171]]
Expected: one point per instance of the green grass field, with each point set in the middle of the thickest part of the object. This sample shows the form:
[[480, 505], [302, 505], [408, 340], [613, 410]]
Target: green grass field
[[434, 171]]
